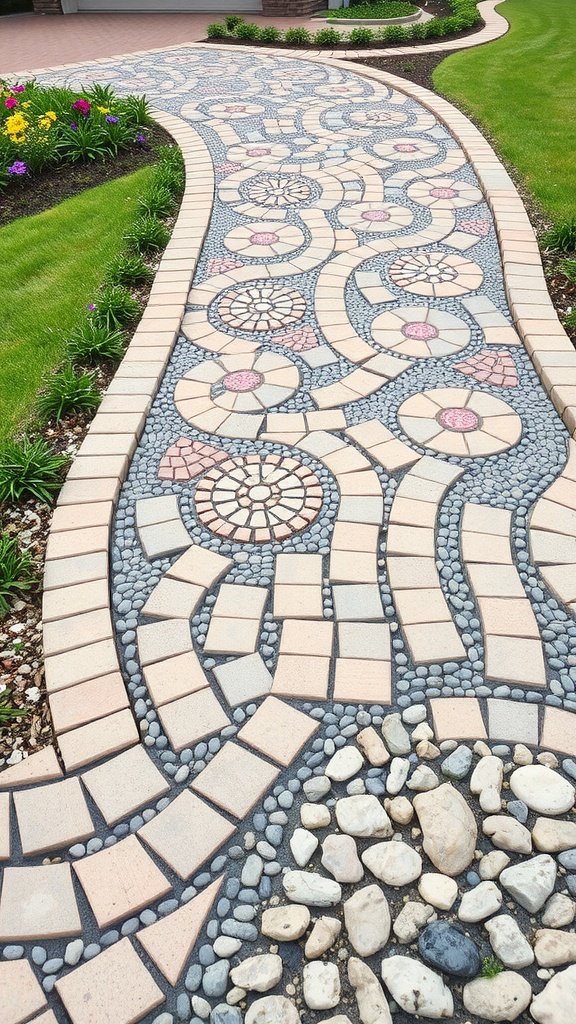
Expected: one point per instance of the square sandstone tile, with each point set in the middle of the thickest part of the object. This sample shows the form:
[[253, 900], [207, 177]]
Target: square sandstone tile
[[174, 677], [299, 675], [299, 569], [124, 783], [359, 602], [243, 679], [52, 817], [512, 659], [304, 636], [457, 718], [173, 599], [186, 833], [161, 640], [95, 740], [87, 701], [240, 602], [235, 779], [38, 903], [512, 721], [113, 988], [434, 642], [191, 718], [278, 730], [359, 680], [232, 635], [508, 616], [365, 640], [558, 731], [20, 994], [120, 881], [297, 602]]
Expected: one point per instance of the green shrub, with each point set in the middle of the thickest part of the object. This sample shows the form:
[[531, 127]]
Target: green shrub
[[232, 21], [128, 268], [30, 469], [217, 30], [561, 236], [361, 36], [16, 572], [417, 32], [137, 111], [8, 711], [327, 37], [157, 201], [378, 9], [270, 34], [395, 34], [115, 307], [148, 234], [247, 30], [297, 36], [570, 319], [568, 268], [68, 392], [94, 343]]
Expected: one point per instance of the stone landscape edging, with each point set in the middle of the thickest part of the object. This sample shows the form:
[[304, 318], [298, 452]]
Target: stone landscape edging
[[535, 320]]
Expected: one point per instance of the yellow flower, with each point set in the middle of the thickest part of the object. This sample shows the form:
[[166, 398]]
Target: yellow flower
[[27, 104], [51, 115], [103, 110], [18, 139], [44, 122], [15, 124]]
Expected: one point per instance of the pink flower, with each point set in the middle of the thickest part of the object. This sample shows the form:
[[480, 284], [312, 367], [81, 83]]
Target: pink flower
[[10, 102], [83, 106], [18, 88]]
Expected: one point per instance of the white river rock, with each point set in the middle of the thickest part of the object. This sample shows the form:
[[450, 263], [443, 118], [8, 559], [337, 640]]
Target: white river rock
[[410, 920], [303, 844], [367, 920], [530, 882], [492, 864], [416, 988], [394, 863], [555, 1004], [272, 1010], [438, 890], [372, 746], [321, 985], [559, 911], [449, 828], [508, 942], [504, 997], [323, 935], [345, 763], [507, 833], [480, 902], [542, 789], [340, 858], [554, 948], [553, 836], [363, 816], [285, 924], [258, 973], [311, 889], [488, 773], [372, 1005]]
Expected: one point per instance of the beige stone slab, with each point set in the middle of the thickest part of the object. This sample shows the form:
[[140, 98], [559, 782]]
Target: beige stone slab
[[299, 569], [235, 779], [125, 783], [408, 512], [303, 676], [66, 601], [186, 833], [200, 566], [174, 677], [357, 602], [511, 659], [242, 602], [69, 543], [305, 636], [355, 537], [68, 572], [232, 635], [353, 567], [411, 540], [170, 941], [558, 731], [435, 642], [4, 829], [42, 766], [486, 519], [423, 605], [486, 547], [364, 640], [173, 599], [120, 881], [358, 679], [278, 730], [86, 702], [38, 902], [75, 631], [293, 601], [411, 572], [508, 616], [495, 580], [88, 662], [457, 718], [52, 817], [561, 579], [113, 988], [191, 718], [166, 639], [21, 996], [99, 739]]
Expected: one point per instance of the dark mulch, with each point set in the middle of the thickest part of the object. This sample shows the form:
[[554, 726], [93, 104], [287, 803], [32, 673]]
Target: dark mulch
[[39, 192], [417, 68]]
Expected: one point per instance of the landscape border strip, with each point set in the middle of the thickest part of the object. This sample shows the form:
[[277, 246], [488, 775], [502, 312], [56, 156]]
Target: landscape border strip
[[84, 493]]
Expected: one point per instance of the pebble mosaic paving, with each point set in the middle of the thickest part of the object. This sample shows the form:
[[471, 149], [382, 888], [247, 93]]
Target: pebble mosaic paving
[[342, 564]]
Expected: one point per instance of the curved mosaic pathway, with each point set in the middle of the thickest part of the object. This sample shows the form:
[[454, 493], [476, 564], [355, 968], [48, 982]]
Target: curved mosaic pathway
[[351, 500]]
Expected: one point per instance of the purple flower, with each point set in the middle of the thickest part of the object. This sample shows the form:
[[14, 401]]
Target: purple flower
[[74, 126], [111, 119], [140, 138], [18, 88], [91, 306], [18, 167]]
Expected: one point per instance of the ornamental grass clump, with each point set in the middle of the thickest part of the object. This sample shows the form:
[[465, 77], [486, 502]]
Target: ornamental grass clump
[[93, 343], [17, 571], [67, 392], [115, 307], [30, 469]]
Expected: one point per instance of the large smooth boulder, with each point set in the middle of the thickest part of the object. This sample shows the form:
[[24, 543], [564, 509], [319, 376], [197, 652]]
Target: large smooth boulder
[[542, 789], [555, 1004], [416, 988], [367, 920], [504, 997], [449, 828]]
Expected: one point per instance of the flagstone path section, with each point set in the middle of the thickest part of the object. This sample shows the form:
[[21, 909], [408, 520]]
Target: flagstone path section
[[316, 485]]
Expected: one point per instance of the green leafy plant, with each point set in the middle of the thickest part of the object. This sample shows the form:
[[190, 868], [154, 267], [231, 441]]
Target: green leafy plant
[[148, 234], [361, 36], [87, 141], [9, 711], [327, 37], [561, 236], [408, 65], [115, 307], [247, 30], [297, 36], [232, 21], [137, 111], [395, 34], [17, 571], [129, 268], [100, 95], [217, 30], [570, 319], [30, 469], [270, 34], [67, 392], [379, 10], [94, 343], [568, 268], [157, 201], [491, 967]]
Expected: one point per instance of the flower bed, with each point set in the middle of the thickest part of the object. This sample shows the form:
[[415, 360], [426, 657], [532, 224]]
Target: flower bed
[[40, 127], [382, 11]]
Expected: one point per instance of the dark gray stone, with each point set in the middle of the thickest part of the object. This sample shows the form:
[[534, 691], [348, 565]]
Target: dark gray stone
[[445, 946]]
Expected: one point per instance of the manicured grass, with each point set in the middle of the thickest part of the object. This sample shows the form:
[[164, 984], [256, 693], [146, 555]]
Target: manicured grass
[[51, 265], [379, 9], [521, 90]]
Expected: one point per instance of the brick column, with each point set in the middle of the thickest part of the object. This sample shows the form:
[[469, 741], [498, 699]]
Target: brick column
[[292, 8], [47, 7]]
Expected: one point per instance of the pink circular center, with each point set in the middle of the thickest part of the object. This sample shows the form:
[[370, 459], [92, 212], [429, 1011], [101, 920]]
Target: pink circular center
[[235, 109], [242, 380], [258, 151], [475, 227], [459, 419], [405, 147], [378, 215], [443, 193], [264, 237], [419, 331]]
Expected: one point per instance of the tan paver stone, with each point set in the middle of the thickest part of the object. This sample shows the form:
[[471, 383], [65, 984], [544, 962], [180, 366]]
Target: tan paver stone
[[186, 833], [408, 512], [99, 739], [113, 988], [512, 659], [411, 540], [88, 662], [38, 767], [161, 640], [4, 829], [67, 572], [174, 677], [303, 636], [77, 542], [120, 881], [485, 519], [232, 635], [299, 569], [45, 1018], [243, 679], [424, 605], [173, 599], [170, 941], [292, 601], [558, 731], [21, 995], [38, 903], [364, 640], [358, 602], [299, 675], [486, 547], [87, 702], [561, 579], [125, 783], [495, 580], [67, 634], [191, 718], [238, 601], [457, 718], [278, 730], [353, 567], [235, 779], [164, 538], [508, 616], [355, 537], [409, 572], [434, 642], [200, 566], [361, 510], [512, 721], [358, 679], [52, 817], [66, 601]]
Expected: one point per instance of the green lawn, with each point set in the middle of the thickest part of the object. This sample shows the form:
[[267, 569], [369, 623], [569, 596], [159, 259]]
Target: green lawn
[[521, 90], [50, 267]]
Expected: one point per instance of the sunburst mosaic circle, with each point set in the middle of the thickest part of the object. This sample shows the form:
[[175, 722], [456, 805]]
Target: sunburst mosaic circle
[[444, 193], [264, 238], [420, 332], [278, 190], [258, 499], [407, 150], [436, 274], [375, 217], [460, 421], [261, 307]]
